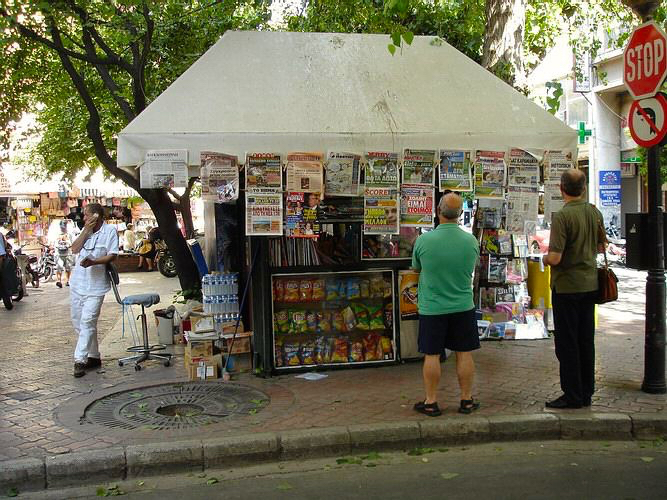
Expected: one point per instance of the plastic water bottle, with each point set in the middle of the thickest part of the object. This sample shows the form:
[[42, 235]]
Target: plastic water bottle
[[235, 283]]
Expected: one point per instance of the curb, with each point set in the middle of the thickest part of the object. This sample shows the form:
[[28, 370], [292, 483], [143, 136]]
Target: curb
[[119, 463]]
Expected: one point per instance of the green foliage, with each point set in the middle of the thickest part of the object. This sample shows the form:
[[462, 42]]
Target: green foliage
[[643, 166], [182, 296], [112, 491], [554, 94]]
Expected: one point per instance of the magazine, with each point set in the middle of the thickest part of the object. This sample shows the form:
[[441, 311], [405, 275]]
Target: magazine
[[300, 216], [381, 170], [497, 269], [342, 174], [455, 170], [418, 166], [490, 172], [380, 211], [417, 209]]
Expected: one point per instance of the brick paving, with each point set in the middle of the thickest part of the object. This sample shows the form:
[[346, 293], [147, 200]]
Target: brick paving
[[40, 401]]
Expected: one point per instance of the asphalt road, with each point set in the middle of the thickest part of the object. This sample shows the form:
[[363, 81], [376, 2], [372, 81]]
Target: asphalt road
[[551, 469]]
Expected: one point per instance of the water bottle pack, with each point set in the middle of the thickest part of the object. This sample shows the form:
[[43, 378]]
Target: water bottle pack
[[220, 293]]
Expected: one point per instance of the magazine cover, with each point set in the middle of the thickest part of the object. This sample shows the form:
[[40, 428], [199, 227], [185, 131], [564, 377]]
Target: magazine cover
[[381, 169], [342, 174], [381, 211], [417, 208], [263, 170], [301, 215], [455, 170], [497, 269], [490, 172], [419, 166]]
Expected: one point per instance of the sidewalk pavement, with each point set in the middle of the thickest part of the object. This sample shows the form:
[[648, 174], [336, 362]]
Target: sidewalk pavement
[[43, 443]]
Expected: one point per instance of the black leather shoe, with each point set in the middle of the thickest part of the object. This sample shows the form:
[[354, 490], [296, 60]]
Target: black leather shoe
[[92, 363], [586, 403], [561, 403], [79, 369]]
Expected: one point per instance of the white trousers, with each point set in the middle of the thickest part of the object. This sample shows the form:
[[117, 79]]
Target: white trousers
[[85, 310]]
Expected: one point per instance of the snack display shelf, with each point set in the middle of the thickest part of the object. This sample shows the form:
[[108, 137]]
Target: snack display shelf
[[333, 319]]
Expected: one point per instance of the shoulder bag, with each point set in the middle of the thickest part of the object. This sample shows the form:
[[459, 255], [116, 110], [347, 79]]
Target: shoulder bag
[[607, 280]]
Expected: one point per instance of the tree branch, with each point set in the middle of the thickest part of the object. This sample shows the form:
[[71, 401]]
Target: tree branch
[[174, 194]]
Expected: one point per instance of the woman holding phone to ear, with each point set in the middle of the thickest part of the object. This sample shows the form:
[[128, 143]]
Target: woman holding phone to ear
[[96, 246]]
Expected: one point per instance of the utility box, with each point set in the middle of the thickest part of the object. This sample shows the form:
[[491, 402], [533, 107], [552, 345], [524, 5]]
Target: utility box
[[637, 241]]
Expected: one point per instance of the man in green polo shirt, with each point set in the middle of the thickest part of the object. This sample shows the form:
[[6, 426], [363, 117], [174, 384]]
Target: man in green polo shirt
[[445, 259], [576, 238]]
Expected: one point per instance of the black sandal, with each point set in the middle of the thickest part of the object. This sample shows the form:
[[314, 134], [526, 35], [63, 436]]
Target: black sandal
[[431, 409], [468, 406]]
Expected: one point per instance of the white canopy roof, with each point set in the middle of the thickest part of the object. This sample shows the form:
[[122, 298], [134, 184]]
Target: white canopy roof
[[280, 92]]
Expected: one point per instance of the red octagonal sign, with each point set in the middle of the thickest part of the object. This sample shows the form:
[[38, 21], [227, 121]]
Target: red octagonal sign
[[645, 60]]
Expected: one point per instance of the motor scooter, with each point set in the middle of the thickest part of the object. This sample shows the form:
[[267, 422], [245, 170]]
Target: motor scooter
[[31, 266], [164, 260], [11, 284]]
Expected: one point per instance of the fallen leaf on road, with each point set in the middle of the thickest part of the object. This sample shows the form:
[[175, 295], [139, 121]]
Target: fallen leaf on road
[[284, 486], [211, 481], [449, 475], [425, 460], [647, 459], [574, 464]]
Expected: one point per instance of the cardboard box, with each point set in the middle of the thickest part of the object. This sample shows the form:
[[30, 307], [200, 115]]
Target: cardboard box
[[240, 363], [202, 367], [198, 348], [242, 343]]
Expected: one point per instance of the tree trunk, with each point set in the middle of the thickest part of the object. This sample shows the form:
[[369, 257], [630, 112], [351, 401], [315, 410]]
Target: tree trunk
[[186, 213], [503, 40], [163, 209]]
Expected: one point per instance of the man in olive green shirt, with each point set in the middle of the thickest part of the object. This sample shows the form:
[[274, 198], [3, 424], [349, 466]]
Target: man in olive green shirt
[[576, 238], [445, 259]]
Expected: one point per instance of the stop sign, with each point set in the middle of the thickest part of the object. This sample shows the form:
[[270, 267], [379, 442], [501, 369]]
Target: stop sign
[[645, 60]]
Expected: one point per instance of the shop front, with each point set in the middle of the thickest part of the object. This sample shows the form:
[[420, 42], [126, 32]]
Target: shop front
[[336, 154]]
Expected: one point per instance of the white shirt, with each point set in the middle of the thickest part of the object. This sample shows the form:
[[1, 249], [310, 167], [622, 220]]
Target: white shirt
[[93, 280]]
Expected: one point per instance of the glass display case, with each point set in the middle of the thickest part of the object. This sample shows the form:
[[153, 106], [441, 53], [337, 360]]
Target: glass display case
[[328, 319]]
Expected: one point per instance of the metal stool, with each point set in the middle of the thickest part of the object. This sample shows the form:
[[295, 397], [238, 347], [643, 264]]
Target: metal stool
[[145, 351]]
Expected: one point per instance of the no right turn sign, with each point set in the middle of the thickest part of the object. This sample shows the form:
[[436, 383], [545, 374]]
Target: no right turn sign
[[647, 122]]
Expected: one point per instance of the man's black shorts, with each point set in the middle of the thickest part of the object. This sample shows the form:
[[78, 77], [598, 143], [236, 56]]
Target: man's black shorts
[[453, 331]]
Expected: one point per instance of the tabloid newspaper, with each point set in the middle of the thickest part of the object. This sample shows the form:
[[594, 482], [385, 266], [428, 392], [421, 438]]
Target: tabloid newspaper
[[263, 170], [219, 177], [417, 205], [342, 175], [381, 169], [164, 168], [304, 172], [523, 169], [490, 171], [381, 210], [419, 166], [264, 212], [555, 163], [455, 170]]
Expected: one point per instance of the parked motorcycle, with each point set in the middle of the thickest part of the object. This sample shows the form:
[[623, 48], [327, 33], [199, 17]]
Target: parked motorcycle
[[11, 281], [31, 266], [47, 263], [164, 259], [616, 249]]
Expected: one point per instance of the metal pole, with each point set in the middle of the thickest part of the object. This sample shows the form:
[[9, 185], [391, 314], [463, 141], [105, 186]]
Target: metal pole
[[654, 340]]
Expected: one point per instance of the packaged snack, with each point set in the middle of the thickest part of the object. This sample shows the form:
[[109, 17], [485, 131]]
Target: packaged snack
[[292, 354], [332, 289], [298, 322], [278, 290], [311, 321], [372, 348], [389, 316], [323, 321], [365, 289], [349, 319], [339, 354], [308, 353], [279, 355], [320, 350], [363, 320], [356, 352], [305, 290], [281, 322], [337, 321], [319, 290], [353, 289], [376, 314], [387, 290], [376, 287], [329, 346], [385, 343], [291, 291]]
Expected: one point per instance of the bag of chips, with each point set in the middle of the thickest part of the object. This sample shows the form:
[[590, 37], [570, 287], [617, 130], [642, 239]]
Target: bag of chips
[[311, 321], [356, 352], [291, 291], [388, 289], [349, 319], [340, 350], [385, 343], [323, 321], [319, 290], [308, 353], [372, 348], [292, 354], [361, 313], [279, 355], [305, 291], [332, 289], [376, 315], [298, 322], [281, 322], [389, 315], [320, 350], [353, 289], [337, 321], [278, 290], [377, 287], [365, 289]]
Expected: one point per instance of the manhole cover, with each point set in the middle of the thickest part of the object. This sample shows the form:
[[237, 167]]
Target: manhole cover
[[175, 406]]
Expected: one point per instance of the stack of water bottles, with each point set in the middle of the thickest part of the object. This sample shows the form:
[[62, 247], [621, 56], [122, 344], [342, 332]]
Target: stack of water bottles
[[221, 296]]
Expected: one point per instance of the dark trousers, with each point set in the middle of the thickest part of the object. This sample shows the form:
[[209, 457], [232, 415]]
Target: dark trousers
[[574, 320]]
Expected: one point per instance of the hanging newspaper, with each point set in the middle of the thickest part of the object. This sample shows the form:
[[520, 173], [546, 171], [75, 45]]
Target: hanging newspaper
[[164, 168], [381, 169], [418, 166], [301, 218], [304, 172], [381, 211], [264, 212], [263, 170], [343, 174], [523, 169], [521, 207], [490, 174], [417, 205], [219, 177], [455, 170], [555, 163], [553, 199]]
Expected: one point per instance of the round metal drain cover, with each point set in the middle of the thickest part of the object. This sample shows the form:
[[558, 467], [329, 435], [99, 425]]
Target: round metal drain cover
[[175, 406]]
